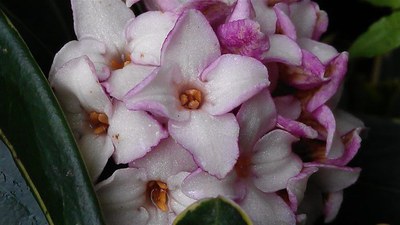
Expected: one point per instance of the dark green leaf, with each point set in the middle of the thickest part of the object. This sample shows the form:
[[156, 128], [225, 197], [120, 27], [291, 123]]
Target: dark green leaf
[[34, 129], [381, 37], [388, 3], [215, 211], [17, 204]]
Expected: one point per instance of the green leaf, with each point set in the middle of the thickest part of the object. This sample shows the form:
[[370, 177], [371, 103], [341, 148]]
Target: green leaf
[[381, 37], [214, 211], [17, 204], [34, 129], [385, 3]]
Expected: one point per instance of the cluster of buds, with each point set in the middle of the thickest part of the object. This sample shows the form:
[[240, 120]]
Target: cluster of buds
[[198, 99]]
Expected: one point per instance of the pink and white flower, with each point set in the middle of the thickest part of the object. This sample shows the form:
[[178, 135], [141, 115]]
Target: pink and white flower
[[196, 88]]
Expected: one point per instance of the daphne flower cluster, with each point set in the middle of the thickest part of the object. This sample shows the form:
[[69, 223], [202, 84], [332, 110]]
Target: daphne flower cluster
[[200, 99]]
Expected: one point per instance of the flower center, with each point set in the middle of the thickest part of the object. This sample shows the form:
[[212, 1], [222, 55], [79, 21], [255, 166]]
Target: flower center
[[158, 193], [120, 63], [191, 98], [242, 166], [98, 122]]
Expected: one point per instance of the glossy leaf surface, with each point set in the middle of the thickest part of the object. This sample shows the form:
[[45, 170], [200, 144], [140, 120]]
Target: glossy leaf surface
[[34, 129], [215, 211]]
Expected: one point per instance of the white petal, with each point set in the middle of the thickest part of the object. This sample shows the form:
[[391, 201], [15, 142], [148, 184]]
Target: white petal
[[158, 94], [331, 178], [93, 49], [324, 52], [178, 201], [127, 78], [304, 17], [95, 151], [256, 117], [297, 186], [203, 185], [103, 20], [283, 49], [133, 133], [77, 87], [268, 209], [265, 16], [332, 205], [123, 196], [165, 160], [231, 80], [273, 161], [192, 44], [146, 34], [211, 139]]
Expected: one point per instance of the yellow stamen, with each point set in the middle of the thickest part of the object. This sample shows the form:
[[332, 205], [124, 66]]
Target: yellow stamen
[[120, 63], [98, 122], [191, 98], [158, 193]]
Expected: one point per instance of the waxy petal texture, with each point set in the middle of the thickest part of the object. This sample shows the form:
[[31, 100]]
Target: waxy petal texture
[[211, 139], [146, 34], [103, 20], [231, 80], [192, 45], [273, 161], [123, 196], [133, 133]]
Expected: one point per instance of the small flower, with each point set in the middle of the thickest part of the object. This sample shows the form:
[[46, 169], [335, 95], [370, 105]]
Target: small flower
[[99, 124], [149, 191], [196, 88]]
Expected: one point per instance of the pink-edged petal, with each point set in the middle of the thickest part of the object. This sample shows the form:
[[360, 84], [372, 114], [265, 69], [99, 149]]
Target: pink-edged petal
[[325, 117], [283, 49], [166, 159], [243, 37], [273, 162], [297, 185], [243, 10], [77, 87], [191, 45], [296, 128], [158, 94], [200, 185], [216, 11], [331, 178], [103, 20], [333, 201], [352, 143], [93, 49], [346, 122], [324, 52], [127, 78], [321, 24], [231, 80], [273, 75], [265, 16], [133, 133], [256, 117], [310, 74], [336, 70], [123, 197], [146, 34], [312, 205], [95, 151], [284, 24], [211, 139], [178, 200], [288, 106], [265, 208], [304, 18]]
